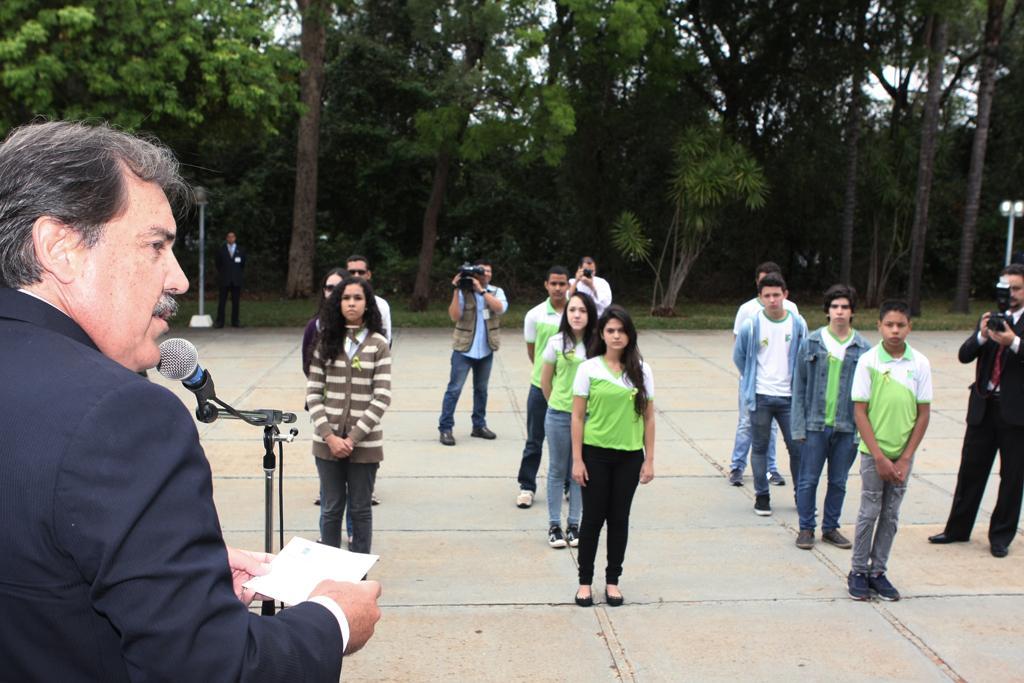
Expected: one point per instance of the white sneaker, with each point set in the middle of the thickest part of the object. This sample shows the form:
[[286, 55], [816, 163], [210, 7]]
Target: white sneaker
[[524, 499]]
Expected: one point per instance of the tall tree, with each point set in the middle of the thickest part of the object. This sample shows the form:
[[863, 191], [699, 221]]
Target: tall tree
[[312, 43], [926, 157], [986, 91], [853, 126]]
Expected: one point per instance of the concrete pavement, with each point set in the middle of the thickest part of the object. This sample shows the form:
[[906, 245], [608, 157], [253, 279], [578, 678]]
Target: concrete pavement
[[472, 592]]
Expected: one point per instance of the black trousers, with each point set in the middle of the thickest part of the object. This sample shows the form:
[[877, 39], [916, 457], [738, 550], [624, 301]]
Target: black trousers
[[979, 451], [613, 476], [222, 301]]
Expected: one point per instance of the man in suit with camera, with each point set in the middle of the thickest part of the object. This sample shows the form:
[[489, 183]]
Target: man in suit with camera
[[995, 421]]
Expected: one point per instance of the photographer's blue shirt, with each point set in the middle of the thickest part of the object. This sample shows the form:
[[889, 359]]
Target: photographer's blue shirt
[[479, 348]]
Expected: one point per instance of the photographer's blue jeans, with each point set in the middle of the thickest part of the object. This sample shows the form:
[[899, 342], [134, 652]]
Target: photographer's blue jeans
[[558, 429], [536, 410], [839, 451], [741, 446], [769, 409], [461, 366]]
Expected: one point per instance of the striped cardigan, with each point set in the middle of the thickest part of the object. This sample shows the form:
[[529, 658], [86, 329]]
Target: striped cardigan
[[350, 398]]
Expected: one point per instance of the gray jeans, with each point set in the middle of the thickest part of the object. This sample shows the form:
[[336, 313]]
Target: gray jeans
[[879, 503], [340, 479]]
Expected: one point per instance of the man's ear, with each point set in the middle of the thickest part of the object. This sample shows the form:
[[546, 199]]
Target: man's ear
[[58, 248]]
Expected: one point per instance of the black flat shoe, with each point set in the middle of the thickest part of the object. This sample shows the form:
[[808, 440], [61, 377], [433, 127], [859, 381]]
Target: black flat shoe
[[944, 538], [613, 600], [585, 602]]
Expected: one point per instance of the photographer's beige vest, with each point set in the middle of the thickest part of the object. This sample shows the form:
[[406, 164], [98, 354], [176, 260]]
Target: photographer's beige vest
[[465, 327]]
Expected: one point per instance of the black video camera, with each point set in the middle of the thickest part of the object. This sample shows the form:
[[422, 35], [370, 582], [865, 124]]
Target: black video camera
[[999, 321], [467, 273]]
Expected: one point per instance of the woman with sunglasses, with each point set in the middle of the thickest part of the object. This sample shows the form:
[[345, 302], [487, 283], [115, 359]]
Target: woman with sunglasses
[[311, 333], [562, 356], [348, 391], [612, 444]]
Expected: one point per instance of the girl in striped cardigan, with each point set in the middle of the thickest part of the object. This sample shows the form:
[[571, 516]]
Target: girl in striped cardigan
[[348, 390]]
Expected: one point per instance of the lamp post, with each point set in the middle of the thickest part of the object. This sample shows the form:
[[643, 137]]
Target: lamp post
[[201, 320], [1014, 209]]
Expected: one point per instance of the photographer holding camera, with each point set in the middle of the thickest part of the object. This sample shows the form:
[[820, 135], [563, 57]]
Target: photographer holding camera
[[995, 420], [587, 282], [476, 309]]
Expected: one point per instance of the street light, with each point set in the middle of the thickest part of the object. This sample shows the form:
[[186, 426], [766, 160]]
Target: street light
[[201, 320], [1014, 209]]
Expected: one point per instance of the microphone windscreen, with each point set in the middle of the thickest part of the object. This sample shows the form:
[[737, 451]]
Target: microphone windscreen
[[178, 359]]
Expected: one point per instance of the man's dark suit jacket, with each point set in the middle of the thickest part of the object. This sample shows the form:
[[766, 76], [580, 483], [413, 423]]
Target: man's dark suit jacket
[[229, 273], [112, 563], [1011, 392]]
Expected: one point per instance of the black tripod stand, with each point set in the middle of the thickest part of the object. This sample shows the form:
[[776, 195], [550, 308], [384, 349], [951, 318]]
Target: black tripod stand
[[269, 420]]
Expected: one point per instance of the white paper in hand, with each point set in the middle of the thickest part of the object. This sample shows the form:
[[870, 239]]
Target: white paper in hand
[[302, 564]]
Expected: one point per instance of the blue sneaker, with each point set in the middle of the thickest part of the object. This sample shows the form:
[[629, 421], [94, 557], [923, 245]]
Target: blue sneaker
[[857, 584], [880, 586]]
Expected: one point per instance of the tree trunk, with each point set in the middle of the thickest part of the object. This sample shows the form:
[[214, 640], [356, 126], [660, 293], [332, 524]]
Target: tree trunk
[[926, 160], [421, 290], [986, 90], [301, 250], [852, 152], [442, 169]]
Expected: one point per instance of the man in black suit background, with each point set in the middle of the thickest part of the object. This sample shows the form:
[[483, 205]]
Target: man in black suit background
[[113, 566], [995, 421], [231, 274]]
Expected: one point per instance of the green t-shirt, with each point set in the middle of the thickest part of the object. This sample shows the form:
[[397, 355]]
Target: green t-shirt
[[836, 355], [565, 371], [612, 421], [892, 388], [540, 324]]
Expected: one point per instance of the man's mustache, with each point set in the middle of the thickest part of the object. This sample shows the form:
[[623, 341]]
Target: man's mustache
[[166, 308]]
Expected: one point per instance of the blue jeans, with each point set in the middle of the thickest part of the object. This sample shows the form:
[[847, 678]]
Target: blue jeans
[[558, 427], [743, 440], [771, 408], [460, 370], [536, 410], [839, 450]]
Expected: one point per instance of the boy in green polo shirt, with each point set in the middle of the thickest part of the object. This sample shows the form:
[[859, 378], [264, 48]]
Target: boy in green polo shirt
[[892, 394]]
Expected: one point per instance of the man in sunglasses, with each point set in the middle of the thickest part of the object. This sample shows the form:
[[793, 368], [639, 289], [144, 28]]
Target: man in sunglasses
[[359, 266]]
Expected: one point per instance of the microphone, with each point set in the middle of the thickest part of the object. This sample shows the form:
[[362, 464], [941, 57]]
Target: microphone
[[179, 360]]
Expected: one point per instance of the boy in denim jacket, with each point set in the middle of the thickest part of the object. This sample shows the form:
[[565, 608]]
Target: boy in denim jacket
[[822, 417]]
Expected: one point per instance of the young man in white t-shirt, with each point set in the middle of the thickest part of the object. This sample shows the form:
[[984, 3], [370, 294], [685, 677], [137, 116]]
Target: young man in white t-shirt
[[765, 354], [741, 444]]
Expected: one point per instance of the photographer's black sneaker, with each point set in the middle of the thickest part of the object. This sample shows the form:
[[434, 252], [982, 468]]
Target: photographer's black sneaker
[[555, 537]]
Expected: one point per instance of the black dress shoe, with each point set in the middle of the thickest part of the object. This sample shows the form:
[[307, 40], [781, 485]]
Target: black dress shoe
[[483, 433], [943, 538], [447, 439], [1000, 550]]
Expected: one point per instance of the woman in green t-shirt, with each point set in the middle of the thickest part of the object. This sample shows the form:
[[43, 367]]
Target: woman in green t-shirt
[[563, 354], [613, 447]]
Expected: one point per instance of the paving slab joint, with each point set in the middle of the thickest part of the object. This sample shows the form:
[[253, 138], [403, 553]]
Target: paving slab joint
[[917, 642], [623, 667]]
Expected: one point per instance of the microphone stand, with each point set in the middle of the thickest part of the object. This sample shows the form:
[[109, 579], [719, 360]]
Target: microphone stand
[[268, 419]]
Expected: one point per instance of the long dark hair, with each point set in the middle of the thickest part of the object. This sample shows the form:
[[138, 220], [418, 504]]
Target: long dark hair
[[632, 361], [332, 322], [568, 335]]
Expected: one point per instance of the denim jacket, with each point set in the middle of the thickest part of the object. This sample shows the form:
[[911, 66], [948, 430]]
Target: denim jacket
[[810, 380], [744, 355]]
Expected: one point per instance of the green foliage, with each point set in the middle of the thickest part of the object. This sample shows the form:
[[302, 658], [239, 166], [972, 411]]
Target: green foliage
[[156, 65]]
